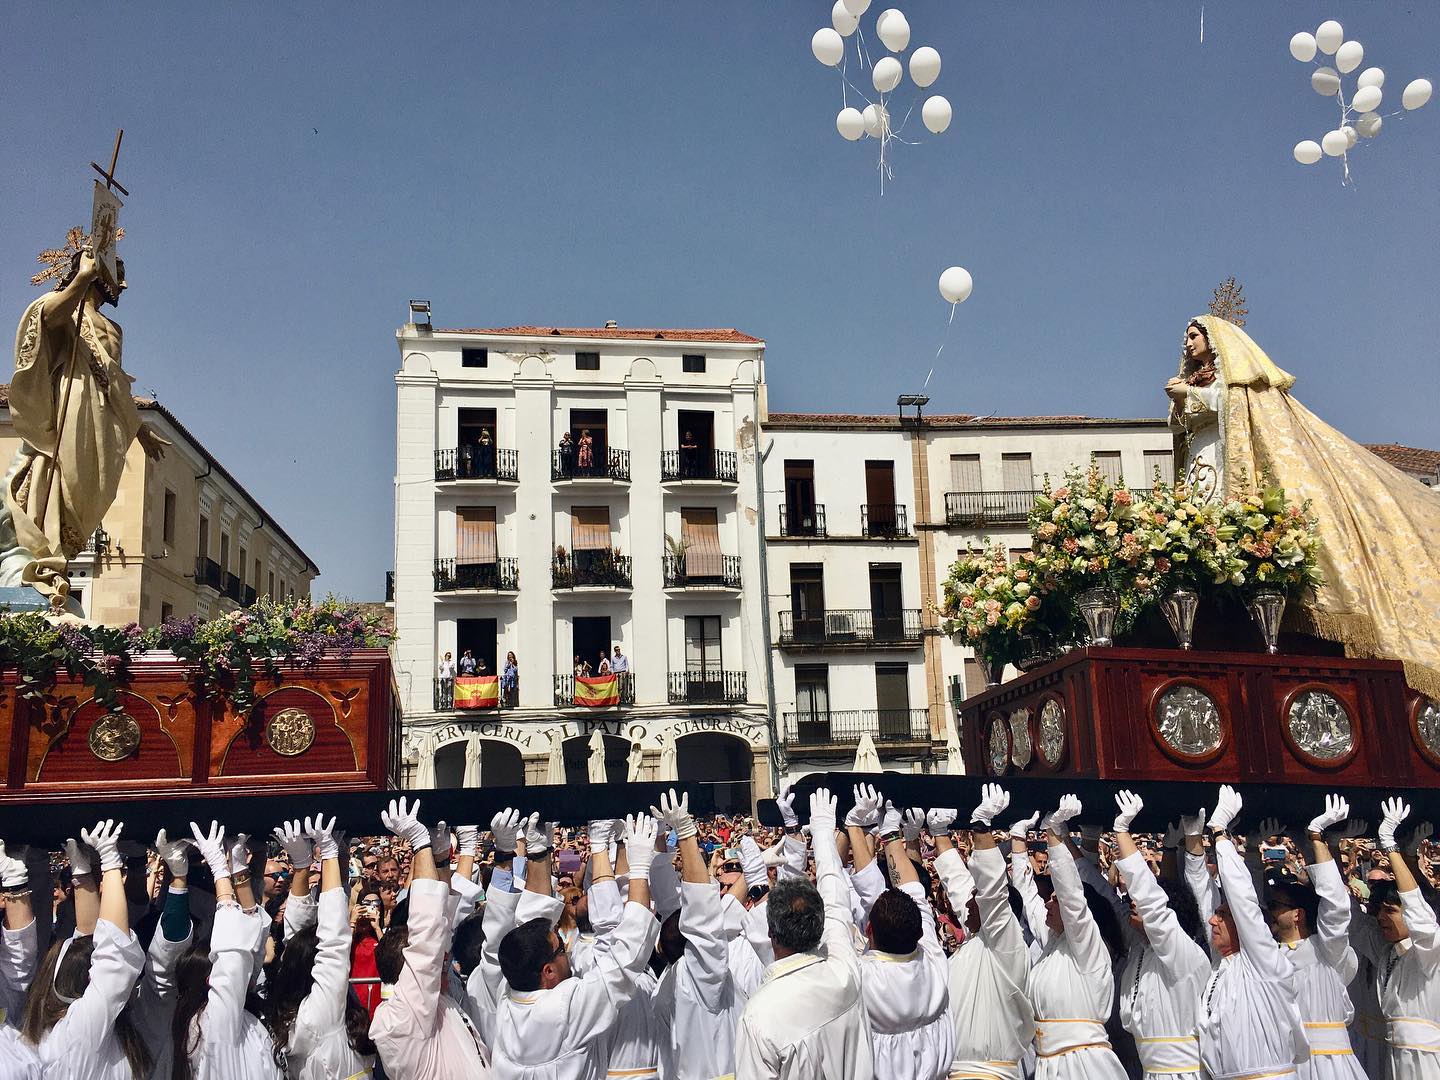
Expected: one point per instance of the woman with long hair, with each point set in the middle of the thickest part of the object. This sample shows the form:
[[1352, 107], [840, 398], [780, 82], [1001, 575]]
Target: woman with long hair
[[77, 1016], [217, 1032], [367, 923]]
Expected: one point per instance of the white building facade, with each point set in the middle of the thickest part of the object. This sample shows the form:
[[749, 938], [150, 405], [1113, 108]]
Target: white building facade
[[559, 493]]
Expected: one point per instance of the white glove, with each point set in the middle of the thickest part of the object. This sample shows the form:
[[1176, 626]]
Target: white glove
[[80, 863], [1058, 820], [1416, 836], [240, 853], [890, 820], [1022, 829], [640, 833], [866, 810], [538, 835], [822, 812], [1271, 826], [913, 824], [994, 800], [774, 855], [1227, 808], [1354, 827], [1129, 806], [786, 802], [674, 810], [1336, 811], [939, 820], [175, 853], [105, 839], [601, 833], [297, 845], [752, 863], [402, 819], [440, 843], [322, 837], [1173, 835], [506, 828], [1395, 810], [1194, 826], [13, 873], [467, 840], [211, 846]]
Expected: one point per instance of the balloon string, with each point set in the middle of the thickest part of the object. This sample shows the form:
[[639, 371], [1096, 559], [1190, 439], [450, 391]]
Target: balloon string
[[943, 342]]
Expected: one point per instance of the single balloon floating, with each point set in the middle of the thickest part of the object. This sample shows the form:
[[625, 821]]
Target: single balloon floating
[[936, 113], [1367, 126], [1348, 56], [924, 66], [893, 29], [955, 285], [1335, 143], [828, 46], [842, 20], [1416, 94], [1307, 152], [1325, 81], [886, 74], [1302, 47], [857, 7], [1329, 37], [1366, 99], [876, 119], [850, 124]]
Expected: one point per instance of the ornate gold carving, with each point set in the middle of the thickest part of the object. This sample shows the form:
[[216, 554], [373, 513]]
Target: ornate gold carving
[[290, 732], [114, 737]]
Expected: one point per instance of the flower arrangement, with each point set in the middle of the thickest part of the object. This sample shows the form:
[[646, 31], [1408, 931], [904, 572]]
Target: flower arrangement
[[39, 649], [989, 603], [1174, 541], [1272, 543]]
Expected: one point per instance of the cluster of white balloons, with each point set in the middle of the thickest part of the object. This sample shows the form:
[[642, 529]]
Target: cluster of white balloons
[[1359, 116], [886, 74]]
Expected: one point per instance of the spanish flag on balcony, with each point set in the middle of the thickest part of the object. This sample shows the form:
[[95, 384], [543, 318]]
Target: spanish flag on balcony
[[472, 692], [597, 691]]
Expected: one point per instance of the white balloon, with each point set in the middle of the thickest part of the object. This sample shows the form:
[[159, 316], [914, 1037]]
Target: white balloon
[[877, 120], [1325, 81], [1366, 99], [1329, 37], [1348, 56], [857, 7], [936, 113], [1335, 143], [955, 284], [886, 74], [883, 17], [1302, 47], [1416, 94], [850, 124], [842, 20], [1368, 126], [1371, 77], [1351, 136], [924, 66], [894, 31], [828, 46], [1307, 152]]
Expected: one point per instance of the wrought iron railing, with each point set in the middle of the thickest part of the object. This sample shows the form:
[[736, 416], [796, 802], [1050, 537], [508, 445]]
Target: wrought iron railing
[[983, 509], [884, 520], [600, 566], [232, 587], [882, 725], [207, 572], [856, 626], [698, 465], [798, 520], [477, 463], [565, 691], [497, 575], [611, 465], [248, 595], [702, 573], [444, 697], [707, 686]]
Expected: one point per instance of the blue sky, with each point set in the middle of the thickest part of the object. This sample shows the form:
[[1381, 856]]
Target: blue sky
[[297, 174]]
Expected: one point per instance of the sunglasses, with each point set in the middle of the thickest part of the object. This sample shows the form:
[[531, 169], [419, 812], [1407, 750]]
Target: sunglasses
[[278, 875]]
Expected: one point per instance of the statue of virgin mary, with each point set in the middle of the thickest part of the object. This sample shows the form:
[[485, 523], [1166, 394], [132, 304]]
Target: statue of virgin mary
[[1236, 422]]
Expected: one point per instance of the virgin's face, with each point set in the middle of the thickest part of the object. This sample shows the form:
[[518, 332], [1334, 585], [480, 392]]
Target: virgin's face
[[1197, 345]]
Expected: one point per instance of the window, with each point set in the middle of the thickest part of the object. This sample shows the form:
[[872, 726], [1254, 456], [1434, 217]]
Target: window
[[693, 363], [885, 598], [700, 537], [167, 521], [965, 472], [812, 699], [475, 535], [1108, 462], [167, 612], [202, 547], [702, 648], [798, 515], [240, 566], [892, 701], [257, 575], [587, 361], [1162, 461], [807, 601], [270, 591], [224, 553], [1017, 473], [474, 357]]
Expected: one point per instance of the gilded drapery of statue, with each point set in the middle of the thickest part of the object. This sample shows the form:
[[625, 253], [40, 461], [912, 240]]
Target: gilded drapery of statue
[[1380, 529]]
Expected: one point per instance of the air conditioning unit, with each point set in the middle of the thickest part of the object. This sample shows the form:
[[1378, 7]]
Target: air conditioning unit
[[840, 624]]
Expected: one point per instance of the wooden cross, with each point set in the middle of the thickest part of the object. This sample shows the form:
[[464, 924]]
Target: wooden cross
[[109, 175]]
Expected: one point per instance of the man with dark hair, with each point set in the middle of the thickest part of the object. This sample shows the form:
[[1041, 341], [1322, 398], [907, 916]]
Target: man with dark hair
[[808, 1017]]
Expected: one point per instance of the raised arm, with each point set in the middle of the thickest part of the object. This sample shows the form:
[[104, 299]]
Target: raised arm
[[1080, 929], [1238, 889], [19, 944], [417, 991], [1178, 953], [1022, 876], [707, 956], [1332, 924], [1419, 916], [324, 1007], [830, 878]]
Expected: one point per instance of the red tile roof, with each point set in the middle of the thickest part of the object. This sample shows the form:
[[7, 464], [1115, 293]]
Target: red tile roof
[[891, 420], [1410, 459], [727, 335]]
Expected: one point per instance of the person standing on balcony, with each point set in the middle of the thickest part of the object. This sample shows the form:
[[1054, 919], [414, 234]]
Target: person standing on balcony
[[619, 663], [510, 679], [689, 455], [447, 680], [467, 664], [567, 455], [587, 451], [603, 668]]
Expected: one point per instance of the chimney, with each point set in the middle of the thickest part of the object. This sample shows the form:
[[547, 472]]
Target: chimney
[[611, 324]]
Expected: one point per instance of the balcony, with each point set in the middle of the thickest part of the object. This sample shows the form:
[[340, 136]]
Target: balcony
[[497, 575], [888, 727], [600, 568], [711, 572], [613, 467], [883, 521], [477, 463], [802, 520], [444, 698], [988, 509], [231, 591], [248, 596], [858, 627], [207, 572], [593, 692], [389, 586], [706, 686], [681, 465]]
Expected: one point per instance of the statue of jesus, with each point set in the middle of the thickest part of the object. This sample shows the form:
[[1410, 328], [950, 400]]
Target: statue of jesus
[[70, 402]]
